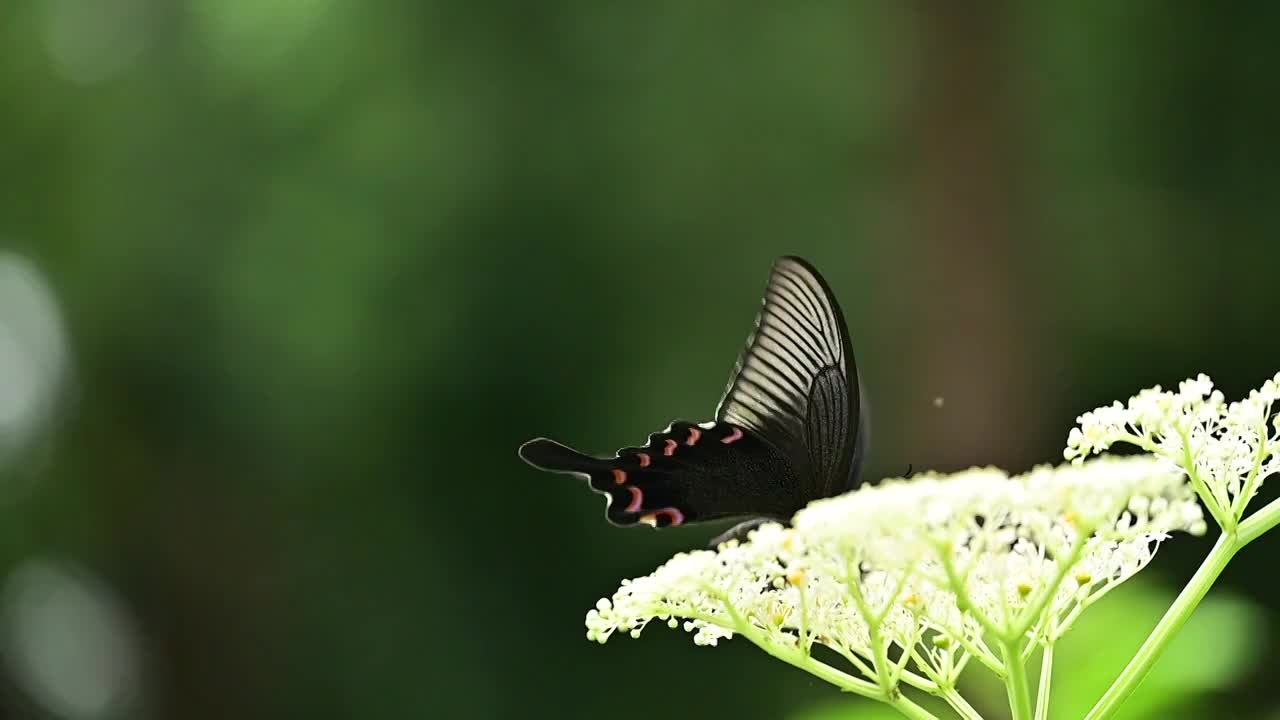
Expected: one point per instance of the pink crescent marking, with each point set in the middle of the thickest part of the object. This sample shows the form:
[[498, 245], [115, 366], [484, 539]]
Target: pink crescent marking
[[644, 459], [734, 436], [694, 434], [637, 497], [670, 449], [674, 517], [619, 475]]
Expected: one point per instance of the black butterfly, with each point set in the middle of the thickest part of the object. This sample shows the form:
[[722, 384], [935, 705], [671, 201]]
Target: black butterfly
[[789, 429]]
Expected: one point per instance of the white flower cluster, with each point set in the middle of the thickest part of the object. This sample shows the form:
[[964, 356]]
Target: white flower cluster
[[1227, 449], [921, 574]]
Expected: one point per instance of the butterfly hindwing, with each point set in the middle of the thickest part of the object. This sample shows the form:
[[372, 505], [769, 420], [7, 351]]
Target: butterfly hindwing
[[686, 473]]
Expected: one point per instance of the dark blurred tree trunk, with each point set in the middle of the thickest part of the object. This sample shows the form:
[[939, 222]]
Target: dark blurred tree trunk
[[972, 346]]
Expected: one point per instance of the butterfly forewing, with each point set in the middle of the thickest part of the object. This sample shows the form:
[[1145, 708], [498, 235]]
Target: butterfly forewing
[[795, 383]]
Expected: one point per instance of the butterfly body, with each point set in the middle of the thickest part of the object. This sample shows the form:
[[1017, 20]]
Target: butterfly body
[[789, 429]]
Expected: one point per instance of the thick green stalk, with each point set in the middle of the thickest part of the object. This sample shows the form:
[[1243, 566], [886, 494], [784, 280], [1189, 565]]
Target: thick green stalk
[[1178, 613], [1259, 522], [1016, 681]]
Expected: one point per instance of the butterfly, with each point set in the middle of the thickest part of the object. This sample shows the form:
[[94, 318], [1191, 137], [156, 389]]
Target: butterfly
[[790, 428]]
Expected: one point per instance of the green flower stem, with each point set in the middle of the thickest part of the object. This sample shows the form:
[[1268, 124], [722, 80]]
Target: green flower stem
[[1136, 671], [881, 658], [960, 588], [819, 669], [1252, 479], [1188, 463], [854, 660], [1045, 595], [844, 681], [960, 705], [1016, 681], [900, 667], [910, 709], [806, 643], [959, 667], [1046, 678], [797, 658], [980, 652], [879, 646], [943, 685], [794, 656]]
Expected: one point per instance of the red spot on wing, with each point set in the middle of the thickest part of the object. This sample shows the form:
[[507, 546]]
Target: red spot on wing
[[694, 434], [732, 437], [670, 449], [637, 498], [619, 476], [644, 459]]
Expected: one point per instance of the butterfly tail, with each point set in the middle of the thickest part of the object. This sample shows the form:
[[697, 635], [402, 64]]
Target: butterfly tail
[[546, 454], [638, 482]]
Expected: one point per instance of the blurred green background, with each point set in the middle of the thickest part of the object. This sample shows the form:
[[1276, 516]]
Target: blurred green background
[[286, 283]]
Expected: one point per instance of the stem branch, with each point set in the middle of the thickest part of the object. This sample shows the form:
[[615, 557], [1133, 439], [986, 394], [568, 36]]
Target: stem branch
[[1259, 522], [960, 705], [1046, 677], [1207, 496]]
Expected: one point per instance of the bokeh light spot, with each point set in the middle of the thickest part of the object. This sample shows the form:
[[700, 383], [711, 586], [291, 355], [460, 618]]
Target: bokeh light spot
[[92, 41], [33, 352], [69, 643]]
